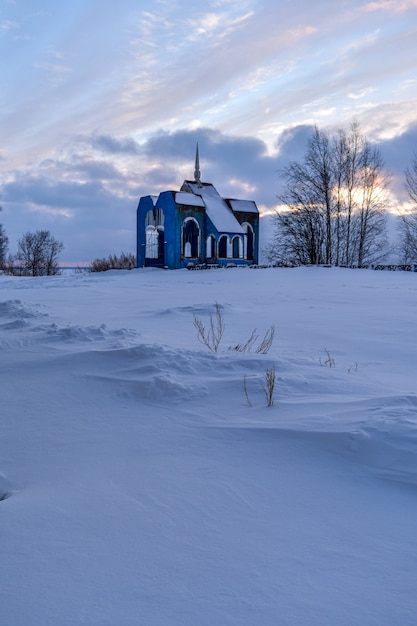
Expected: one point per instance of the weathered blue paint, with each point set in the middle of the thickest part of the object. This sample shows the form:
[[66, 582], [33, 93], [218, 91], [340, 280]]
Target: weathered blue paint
[[165, 240]]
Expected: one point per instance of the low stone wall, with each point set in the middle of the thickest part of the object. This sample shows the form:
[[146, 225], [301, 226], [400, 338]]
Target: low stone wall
[[407, 267]]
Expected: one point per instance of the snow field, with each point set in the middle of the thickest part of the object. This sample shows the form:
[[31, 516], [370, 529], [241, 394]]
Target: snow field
[[138, 487]]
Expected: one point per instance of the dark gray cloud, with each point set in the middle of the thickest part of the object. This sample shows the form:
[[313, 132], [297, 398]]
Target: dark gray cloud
[[42, 192], [213, 143], [112, 145], [397, 154], [292, 142], [92, 217], [230, 163], [90, 201], [224, 159]]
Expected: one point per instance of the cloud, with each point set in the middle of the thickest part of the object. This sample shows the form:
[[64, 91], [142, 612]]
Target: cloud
[[76, 193], [53, 68], [396, 6], [398, 153], [7, 25], [233, 164], [88, 195], [74, 212], [228, 75], [292, 142], [243, 67], [107, 101], [361, 94], [111, 145]]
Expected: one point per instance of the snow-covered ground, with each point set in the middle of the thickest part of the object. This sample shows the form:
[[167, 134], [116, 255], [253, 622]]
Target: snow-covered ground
[[137, 485]]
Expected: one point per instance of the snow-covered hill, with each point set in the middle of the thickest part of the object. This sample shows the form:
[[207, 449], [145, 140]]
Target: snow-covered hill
[[138, 485]]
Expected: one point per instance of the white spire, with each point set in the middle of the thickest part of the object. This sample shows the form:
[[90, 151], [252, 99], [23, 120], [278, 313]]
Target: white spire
[[197, 174]]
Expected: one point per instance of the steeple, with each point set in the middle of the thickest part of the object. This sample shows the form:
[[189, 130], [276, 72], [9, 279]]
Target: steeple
[[197, 173]]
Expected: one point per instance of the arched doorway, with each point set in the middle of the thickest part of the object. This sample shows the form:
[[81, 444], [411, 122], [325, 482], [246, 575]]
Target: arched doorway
[[223, 247], [190, 238], [237, 248], [249, 242]]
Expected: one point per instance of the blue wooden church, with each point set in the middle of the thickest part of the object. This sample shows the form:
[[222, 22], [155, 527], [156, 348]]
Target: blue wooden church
[[196, 226]]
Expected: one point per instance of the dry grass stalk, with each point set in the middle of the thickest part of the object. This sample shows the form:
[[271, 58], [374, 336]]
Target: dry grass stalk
[[246, 347], [245, 389], [211, 336], [266, 342], [329, 361], [269, 385]]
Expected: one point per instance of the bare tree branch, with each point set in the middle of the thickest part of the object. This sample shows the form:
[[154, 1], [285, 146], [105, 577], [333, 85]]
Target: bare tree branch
[[335, 202]]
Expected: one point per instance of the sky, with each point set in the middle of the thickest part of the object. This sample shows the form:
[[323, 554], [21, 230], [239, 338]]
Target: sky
[[103, 102]]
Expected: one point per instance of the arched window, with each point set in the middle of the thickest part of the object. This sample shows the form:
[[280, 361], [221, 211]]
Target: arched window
[[152, 243], [249, 241], [223, 247], [237, 248], [210, 247], [159, 218], [155, 217], [154, 237], [150, 218], [190, 238]]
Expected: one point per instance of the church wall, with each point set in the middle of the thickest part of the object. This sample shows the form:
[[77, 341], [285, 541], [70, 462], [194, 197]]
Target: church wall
[[163, 241], [145, 205], [166, 203]]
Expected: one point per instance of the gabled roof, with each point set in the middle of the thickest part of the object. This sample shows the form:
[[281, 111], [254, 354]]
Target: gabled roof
[[243, 206], [188, 199], [192, 186], [217, 209]]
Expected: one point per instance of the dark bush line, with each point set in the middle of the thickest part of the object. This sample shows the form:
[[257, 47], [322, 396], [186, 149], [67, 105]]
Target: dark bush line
[[113, 262]]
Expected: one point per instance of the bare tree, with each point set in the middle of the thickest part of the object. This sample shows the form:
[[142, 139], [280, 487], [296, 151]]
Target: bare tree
[[303, 227], [411, 180], [408, 221], [37, 254], [335, 203], [371, 242], [4, 241]]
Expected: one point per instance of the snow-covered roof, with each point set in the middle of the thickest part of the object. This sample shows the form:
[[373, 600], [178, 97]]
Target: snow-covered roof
[[201, 188], [217, 209], [188, 199], [244, 206], [222, 217]]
